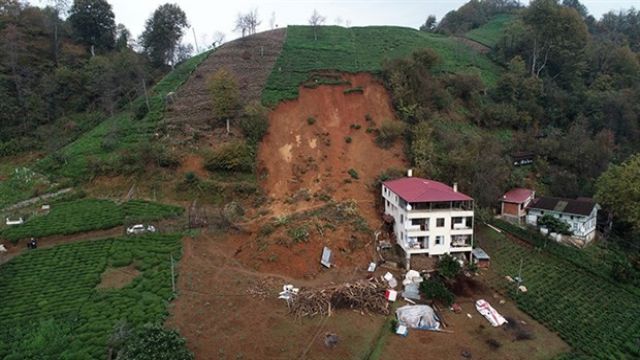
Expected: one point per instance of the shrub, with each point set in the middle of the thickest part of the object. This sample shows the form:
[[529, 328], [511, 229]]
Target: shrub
[[255, 122], [368, 118], [234, 156], [353, 173], [448, 267], [141, 111], [555, 225], [434, 289], [299, 234], [389, 132], [356, 126], [348, 139], [354, 90], [191, 178], [154, 342], [311, 120]]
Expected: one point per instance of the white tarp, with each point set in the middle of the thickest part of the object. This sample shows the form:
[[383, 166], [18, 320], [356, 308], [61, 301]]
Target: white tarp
[[490, 313], [2, 248], [418, 317]]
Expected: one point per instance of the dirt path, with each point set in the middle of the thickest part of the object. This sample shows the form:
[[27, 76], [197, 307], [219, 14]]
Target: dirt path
[[14, 250], [221, 320]]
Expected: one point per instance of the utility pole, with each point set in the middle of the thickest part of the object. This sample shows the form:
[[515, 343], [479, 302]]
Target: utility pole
[[195, 41]]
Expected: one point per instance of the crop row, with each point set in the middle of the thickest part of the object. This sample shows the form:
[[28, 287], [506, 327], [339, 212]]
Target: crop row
[[41, 292], [596, 317], [88, 215]]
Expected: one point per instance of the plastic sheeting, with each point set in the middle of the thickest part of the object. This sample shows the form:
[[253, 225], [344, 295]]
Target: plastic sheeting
[[490, 313], [418, 317]]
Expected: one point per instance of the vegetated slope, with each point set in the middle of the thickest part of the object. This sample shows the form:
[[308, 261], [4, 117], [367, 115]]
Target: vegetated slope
[[363, 49], [50, 304], [596, 317], [490, 33], [102, 149], [249, 59]]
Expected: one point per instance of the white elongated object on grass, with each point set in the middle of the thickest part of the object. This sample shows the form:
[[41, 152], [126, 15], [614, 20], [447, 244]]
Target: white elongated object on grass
[[490, 313]]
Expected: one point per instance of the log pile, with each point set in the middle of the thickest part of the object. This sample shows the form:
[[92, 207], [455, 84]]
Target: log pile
[[364, 296]]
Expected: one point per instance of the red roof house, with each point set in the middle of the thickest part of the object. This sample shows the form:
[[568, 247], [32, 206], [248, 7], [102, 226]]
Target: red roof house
[[418, 190], [513, 204]]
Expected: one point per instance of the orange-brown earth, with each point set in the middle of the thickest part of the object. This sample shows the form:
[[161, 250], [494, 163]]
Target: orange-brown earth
[[298, 156], [302, 166]]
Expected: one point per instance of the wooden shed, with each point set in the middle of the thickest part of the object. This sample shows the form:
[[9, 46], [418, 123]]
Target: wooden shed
[[480, 258]]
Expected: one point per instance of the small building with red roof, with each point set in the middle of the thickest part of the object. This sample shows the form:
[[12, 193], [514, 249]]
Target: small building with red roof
[[429, 217], [513, 204]]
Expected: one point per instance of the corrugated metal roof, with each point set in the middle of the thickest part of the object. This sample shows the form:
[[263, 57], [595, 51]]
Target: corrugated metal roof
[[570, 206]]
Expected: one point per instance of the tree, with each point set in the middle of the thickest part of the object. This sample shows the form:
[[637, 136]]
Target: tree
[[60, 8], [618, 189], [578, 6], [123, 35], [93, 23], [162, 34], [555, 225], [430, 24], [247, 23], [316, 20], [448, 267], [225, 95], [557, 35], [154, 342]]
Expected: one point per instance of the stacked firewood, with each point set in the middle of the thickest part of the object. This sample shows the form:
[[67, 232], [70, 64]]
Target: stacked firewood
[[363, 296]]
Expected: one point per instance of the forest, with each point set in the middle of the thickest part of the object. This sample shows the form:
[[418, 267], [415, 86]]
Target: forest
[[66, 67], [567, 97]]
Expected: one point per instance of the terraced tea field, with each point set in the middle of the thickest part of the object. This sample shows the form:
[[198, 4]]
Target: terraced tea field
[[51, 308], [598, 318], [363, 49], [87, 215]]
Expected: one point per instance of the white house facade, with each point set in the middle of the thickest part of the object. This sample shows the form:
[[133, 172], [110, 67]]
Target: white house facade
[[429, 217], [581, 215]]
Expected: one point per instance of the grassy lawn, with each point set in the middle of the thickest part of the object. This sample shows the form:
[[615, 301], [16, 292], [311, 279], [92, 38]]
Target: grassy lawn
[[490, 33], [598, 318], [51, 308], [363, 49], [87, 215]]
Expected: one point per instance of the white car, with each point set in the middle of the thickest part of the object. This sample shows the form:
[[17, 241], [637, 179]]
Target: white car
[[140, 229]]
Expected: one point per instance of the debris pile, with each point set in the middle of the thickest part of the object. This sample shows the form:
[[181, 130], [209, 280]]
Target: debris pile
[[366, 296]]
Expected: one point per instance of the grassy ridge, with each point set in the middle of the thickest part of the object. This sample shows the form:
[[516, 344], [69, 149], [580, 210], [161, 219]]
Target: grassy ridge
[[51, 308], [597, 318], [88, 215], [363, 49], [490, 33], [126, 132]]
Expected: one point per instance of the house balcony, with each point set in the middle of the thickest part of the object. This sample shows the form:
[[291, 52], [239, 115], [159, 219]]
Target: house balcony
[[461, 241]]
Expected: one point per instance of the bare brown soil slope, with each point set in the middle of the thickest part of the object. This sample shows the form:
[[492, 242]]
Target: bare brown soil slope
[[249, 59], [316, 158]]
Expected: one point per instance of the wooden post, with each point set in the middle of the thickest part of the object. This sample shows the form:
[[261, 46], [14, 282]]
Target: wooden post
[[173, 277]]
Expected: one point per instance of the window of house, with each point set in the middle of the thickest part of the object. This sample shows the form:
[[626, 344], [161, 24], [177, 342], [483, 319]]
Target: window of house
[[402, 235], [401, 218], [439, 239], [440, 222]]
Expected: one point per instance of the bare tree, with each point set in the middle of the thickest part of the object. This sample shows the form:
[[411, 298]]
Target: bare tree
[[316, 20], [218, 39], [253, 21], [247, 23], [61, 8], [272, 20], [241, 25], [338, 21]]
